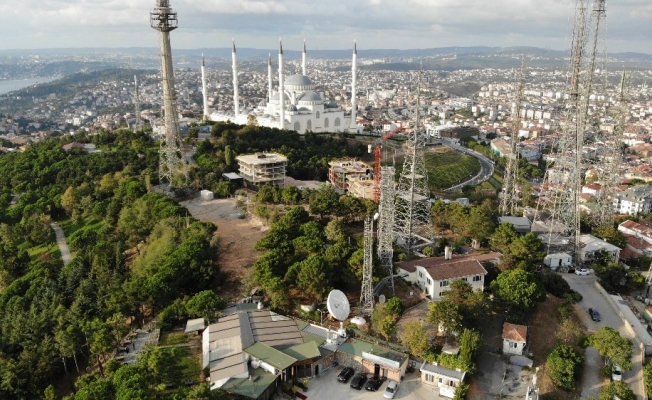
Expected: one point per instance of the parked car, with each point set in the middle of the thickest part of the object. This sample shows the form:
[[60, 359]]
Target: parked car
[[390, 390], [358, 381], [345, 374], [582, 271], [374, 383], [616, 373]]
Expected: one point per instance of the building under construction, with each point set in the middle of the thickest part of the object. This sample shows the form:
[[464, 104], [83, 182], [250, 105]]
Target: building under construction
[[341, 173], [263, 169]]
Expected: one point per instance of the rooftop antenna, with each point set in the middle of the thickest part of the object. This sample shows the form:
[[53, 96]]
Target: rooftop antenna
[[338, 305]]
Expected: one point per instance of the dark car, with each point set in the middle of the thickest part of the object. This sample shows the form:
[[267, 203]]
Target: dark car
[[595, 315], [373, 384], [358, 381], [345, 374]]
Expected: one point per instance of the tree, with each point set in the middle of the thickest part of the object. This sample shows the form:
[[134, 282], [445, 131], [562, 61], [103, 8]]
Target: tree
[[564, 364], [568, 331], [527, 252], [395, 307], [647, 377], [470, 345], [480, 224], [445, 314], [619, 389], [611, 235], [518, 290], [205, 304], [324, 201], [336, 231], [312, 280], [613, 347], [386, 327], [415, 337], [504, 235]]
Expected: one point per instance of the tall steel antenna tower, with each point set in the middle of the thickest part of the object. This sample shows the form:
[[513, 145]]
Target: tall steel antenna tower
[[563, 180], [367, 293], [509, 201], [386, 222], [412, 206], [136, 104], [171, 166]]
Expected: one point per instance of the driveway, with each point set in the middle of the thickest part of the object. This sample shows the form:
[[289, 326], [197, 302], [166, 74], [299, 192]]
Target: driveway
[[326, 387], [593, 382]]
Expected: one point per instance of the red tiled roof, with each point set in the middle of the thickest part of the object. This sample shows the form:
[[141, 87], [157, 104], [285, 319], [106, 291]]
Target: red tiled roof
[[517, 333], [627, 254], [453, 268]]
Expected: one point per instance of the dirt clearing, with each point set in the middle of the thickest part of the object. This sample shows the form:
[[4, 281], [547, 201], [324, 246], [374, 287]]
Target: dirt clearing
[[238, 235]]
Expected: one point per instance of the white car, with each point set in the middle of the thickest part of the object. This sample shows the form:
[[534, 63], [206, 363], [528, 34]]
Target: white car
[[582, 271], [616, 373], [390, 390]]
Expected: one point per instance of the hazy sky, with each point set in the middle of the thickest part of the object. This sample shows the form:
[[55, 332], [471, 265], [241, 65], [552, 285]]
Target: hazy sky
[[326, 24]]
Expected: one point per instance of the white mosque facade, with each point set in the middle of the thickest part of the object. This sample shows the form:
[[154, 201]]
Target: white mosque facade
[[298, 106]]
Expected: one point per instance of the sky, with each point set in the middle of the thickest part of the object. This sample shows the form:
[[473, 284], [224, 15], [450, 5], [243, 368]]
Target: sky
[[325, 24]]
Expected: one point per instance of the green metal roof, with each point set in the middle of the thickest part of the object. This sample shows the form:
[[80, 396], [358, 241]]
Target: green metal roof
[[309, 337], [303, 351], [301, 324], [270, 355], [260, 380], [355, 347]]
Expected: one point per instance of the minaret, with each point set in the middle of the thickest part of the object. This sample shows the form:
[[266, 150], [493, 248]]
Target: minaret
[[303, 59], [236, 98], [281, 88], [269, 77], [203, 86], [354, 105]]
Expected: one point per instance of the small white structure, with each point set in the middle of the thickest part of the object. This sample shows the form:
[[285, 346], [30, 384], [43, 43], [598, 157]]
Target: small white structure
[[206, 195], [590, 245], [520, 224], [447, 380], [558, 260], [514, 338]]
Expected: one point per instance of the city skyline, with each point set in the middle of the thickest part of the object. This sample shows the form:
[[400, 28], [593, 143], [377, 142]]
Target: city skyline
[[376, 24]]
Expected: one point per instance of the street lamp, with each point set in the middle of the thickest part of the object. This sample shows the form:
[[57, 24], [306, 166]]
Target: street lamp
[[321, 314]]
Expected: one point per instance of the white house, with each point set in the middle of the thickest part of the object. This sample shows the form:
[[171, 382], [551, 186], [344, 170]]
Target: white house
[[434, 275], [558, 260], [589, 245], [636, 199], [514, 338], [447, 380]]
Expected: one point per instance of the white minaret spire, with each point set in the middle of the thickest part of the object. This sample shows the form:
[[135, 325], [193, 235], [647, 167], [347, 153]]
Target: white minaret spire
[[354, 104], [281, 89], [203, 86], [269, 77], [303, 59], [236, 97]]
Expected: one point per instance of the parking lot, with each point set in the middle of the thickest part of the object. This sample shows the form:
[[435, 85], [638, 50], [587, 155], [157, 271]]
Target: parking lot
[[326, 387]]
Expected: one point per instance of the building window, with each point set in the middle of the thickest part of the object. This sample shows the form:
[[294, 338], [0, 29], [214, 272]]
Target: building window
[[477, 278], [317, 114], [443, 283], [325, 122], [428, 280], [337, 122], [429, 378], [464, 279], [297, 126], [309, 126]]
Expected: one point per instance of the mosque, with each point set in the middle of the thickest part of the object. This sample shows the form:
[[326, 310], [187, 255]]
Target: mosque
[[295, 106]]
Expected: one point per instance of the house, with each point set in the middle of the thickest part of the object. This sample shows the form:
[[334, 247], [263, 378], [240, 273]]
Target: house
[[514, 339], [634, 200], [447, 380], [590, 245], [434, 275], [372, 359], [520, 224]]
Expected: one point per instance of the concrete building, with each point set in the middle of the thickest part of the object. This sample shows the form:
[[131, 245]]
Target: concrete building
[[590, 245], [558, 260], [520, 224], [447, 380], [514, 339], [434, 275], [342, 172], [263, 168], [362, 188], [634, 200]]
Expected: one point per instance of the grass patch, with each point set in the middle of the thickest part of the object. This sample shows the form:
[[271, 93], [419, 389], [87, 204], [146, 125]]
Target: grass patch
[[446, 168], [69, 227], [37, 251], [187, 366], [172, 338]]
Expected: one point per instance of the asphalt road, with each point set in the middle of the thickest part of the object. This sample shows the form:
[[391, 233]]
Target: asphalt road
[[593, 382], [486, 165], [61, 242]]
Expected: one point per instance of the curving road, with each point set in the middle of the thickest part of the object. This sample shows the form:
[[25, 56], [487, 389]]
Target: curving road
[[486, 165]]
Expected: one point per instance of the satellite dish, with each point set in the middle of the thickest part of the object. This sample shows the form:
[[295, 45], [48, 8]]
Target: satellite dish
[[382, 299], [338, 305]]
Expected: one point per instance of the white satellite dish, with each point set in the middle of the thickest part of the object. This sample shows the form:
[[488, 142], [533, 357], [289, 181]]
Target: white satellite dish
[[382, 299], [338, 305]]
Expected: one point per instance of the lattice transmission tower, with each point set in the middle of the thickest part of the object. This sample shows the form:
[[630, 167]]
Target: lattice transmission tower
[[172, 169], [136, 104], [412, 205], [386, 222], [367, 293], [563, 180], [510, 199]]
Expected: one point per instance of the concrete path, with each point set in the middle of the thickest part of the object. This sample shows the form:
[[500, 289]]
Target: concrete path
[[63, 245]]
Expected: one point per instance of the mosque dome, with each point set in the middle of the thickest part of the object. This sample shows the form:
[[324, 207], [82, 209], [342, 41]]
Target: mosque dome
[[291, 107], [298, 83], [309, 97]]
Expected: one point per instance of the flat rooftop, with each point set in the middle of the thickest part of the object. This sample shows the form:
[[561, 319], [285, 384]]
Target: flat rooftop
[[262, 158]]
